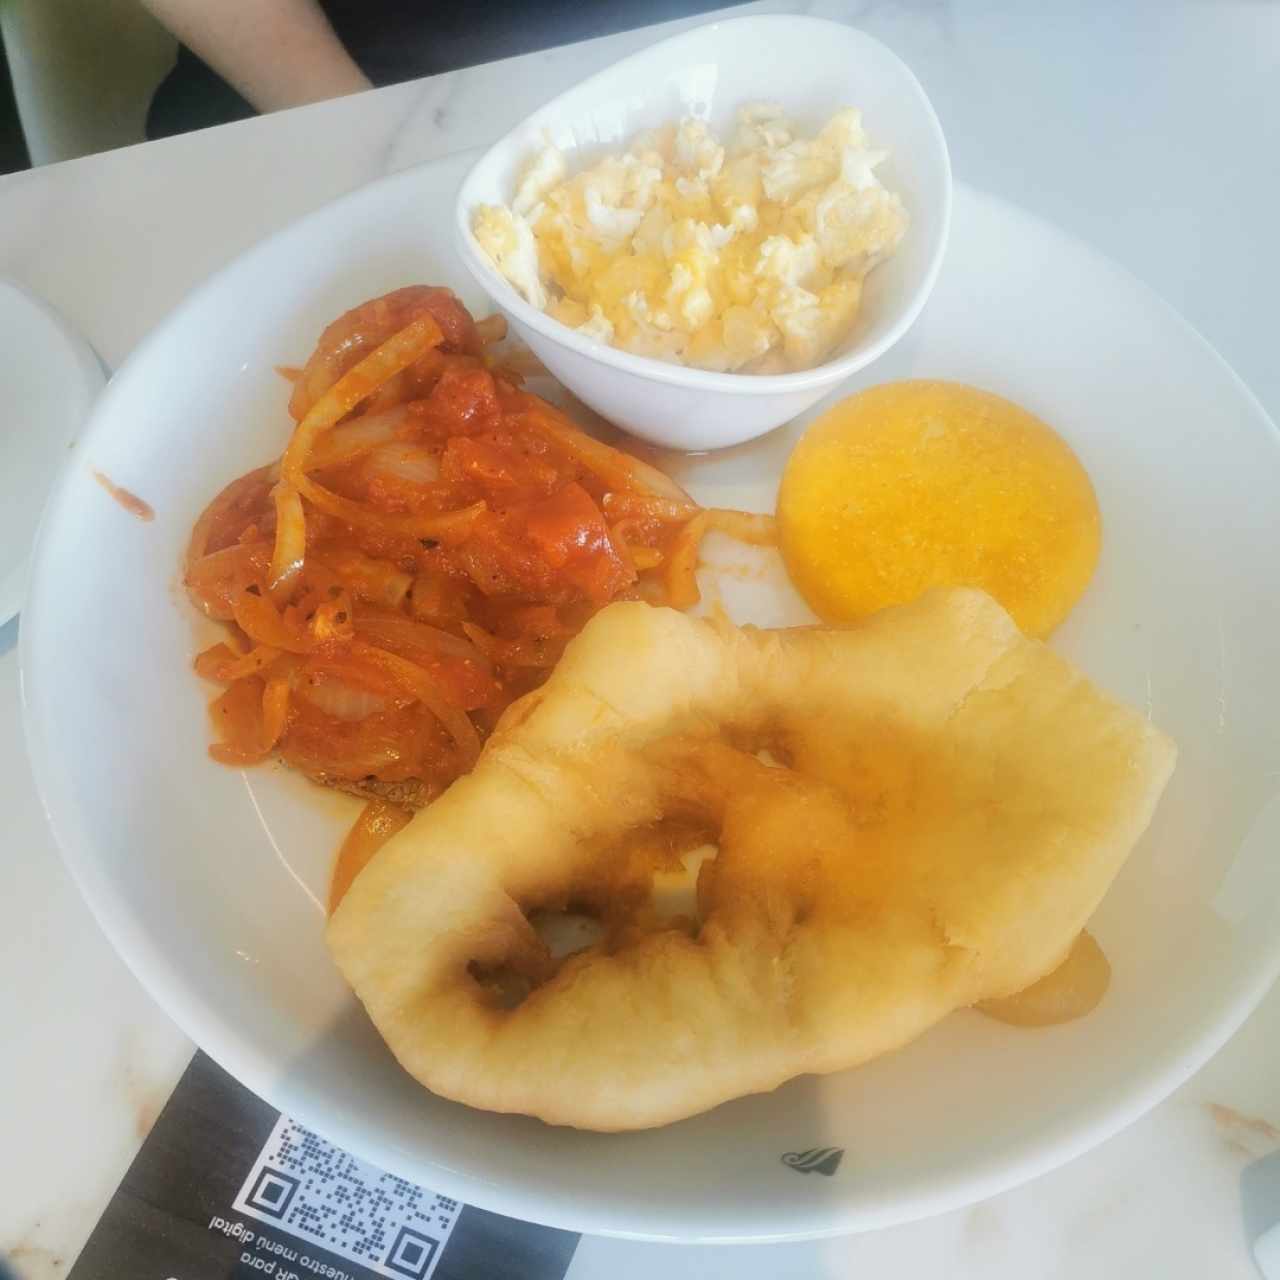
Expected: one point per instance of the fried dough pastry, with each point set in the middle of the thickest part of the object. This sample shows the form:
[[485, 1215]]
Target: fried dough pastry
[[952, 802]]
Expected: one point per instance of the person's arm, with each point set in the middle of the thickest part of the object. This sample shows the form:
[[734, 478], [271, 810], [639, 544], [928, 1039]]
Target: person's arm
[[275, 53]]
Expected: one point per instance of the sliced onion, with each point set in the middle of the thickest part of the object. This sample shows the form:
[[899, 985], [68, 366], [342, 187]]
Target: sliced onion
[[341, 701], [445, 526], [395, 632], [220, 663], [275, 711], [423, 686], [291, 540], [615, 468], [377, 581], [491, 329], [533, 654], [379, 821], [237, 714], [213, 580], [354, 438], [357, 384], [640, 556], [680, 574], [644, 506], [406, 463], [263, 623]]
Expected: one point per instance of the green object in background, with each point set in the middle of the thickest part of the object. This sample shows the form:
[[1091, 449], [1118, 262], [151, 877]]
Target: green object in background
[[82, 74]]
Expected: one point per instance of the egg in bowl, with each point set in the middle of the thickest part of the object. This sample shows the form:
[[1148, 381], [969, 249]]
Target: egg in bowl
[[746, 257]]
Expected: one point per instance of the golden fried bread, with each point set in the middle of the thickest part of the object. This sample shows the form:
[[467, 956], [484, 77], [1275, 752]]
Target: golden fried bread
[[952, 802]]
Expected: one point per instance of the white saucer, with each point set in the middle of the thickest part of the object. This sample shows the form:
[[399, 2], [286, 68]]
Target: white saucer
[[49, 378]]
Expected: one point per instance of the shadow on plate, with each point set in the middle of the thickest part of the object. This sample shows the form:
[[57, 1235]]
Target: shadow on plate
[[681, 1181]]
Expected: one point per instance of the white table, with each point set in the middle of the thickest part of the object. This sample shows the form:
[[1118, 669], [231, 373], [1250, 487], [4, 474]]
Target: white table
[[1151, 132]]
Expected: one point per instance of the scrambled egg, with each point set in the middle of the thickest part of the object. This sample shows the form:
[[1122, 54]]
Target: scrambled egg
[[748, 257]]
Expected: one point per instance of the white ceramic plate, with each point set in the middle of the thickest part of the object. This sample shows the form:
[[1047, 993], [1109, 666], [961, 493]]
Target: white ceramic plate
[[48, 380], [209, 881]]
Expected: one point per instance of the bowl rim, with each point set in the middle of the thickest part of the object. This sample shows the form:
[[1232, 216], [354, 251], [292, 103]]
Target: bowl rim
[[831, 371]]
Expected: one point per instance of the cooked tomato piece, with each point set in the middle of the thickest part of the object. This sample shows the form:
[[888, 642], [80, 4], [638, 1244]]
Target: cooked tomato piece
[[569, 532], [389, 654]]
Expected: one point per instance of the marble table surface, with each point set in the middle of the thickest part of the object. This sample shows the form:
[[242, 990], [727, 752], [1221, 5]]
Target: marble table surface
[[1150, 130]]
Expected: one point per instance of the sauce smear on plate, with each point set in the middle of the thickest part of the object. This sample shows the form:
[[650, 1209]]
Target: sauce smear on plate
[[129, 500]]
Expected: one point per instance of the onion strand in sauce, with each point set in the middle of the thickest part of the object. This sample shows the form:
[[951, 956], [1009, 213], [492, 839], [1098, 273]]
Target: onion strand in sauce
[[430, 538]]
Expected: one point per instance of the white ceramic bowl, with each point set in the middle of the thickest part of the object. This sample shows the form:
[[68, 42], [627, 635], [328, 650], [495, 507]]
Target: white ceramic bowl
[[813, 67]]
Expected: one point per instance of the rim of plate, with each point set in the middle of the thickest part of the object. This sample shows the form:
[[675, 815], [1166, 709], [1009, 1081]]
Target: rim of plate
[[88, 368], [1018, 1161]]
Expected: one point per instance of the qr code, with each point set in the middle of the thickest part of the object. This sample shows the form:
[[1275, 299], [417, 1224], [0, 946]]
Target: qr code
[[307, 1187]]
